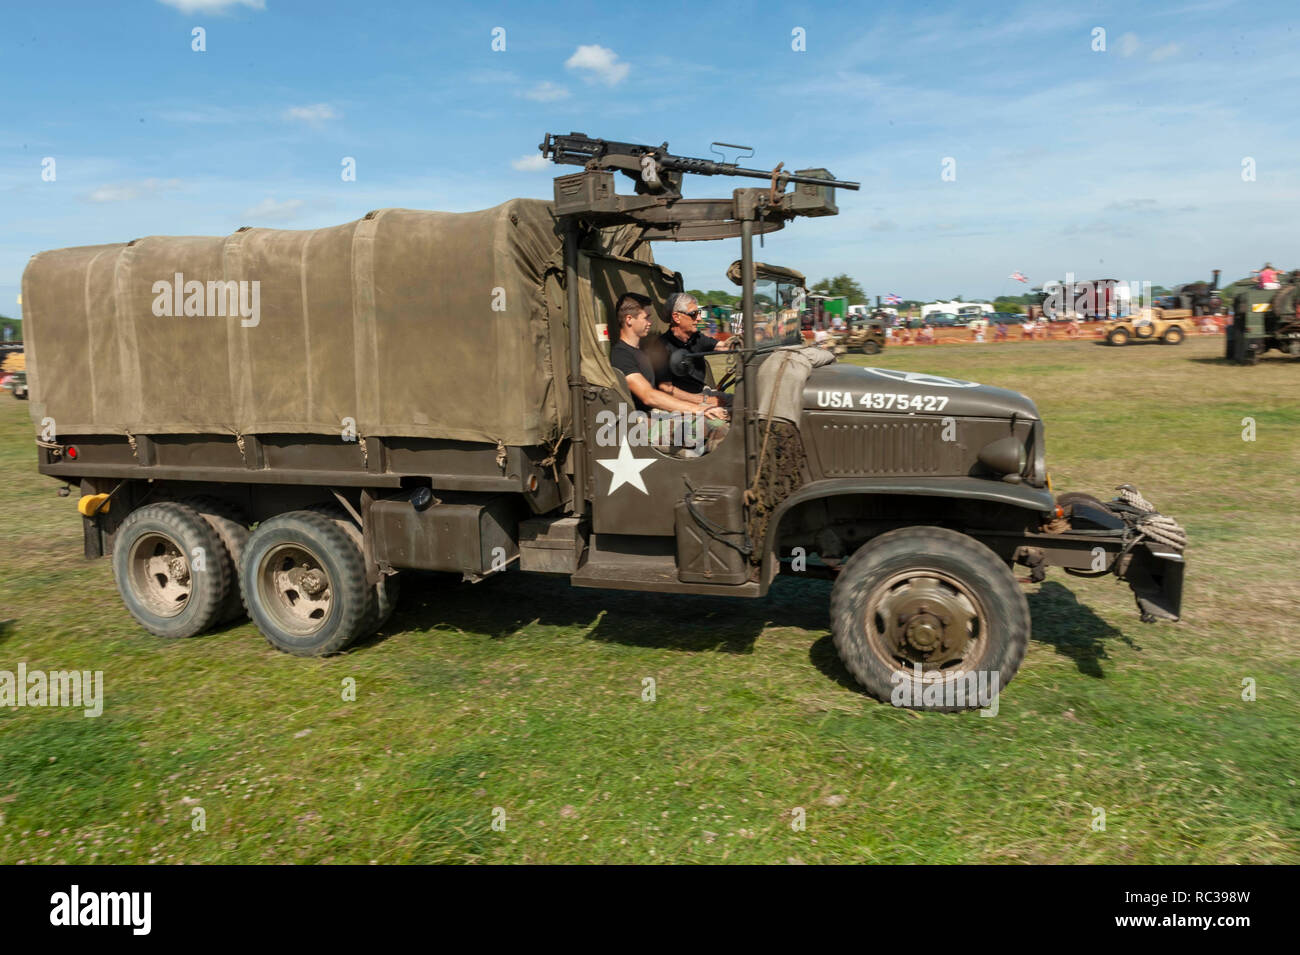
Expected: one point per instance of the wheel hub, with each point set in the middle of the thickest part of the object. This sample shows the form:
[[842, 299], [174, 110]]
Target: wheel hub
[[178, 569], [159, 574], [925, 617], [296, 588]]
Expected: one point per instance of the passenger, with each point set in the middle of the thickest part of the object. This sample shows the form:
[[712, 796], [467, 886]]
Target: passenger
[[1268, 277], [632, 314]]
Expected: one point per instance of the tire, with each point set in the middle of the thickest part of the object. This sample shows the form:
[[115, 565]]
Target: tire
[[158, 575], [389, 587], [1118, 336], [908, 571], [1172, 336], [871, 348], [304, 584], [231, 526], [1144, 332]]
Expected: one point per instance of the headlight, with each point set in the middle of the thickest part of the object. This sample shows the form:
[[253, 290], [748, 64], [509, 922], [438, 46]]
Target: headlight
[[1005, 456]]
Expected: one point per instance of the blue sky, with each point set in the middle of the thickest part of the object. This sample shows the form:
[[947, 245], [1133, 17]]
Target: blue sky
[[1126, 163]]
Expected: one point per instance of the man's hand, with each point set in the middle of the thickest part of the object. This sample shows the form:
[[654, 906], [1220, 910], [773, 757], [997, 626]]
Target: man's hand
[[716, 413], [728, 345]]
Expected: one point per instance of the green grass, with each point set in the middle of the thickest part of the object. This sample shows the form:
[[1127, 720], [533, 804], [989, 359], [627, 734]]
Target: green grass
[[525, 694]]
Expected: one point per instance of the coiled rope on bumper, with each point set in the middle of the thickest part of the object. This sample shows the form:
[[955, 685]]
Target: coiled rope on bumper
[[1148, 521]]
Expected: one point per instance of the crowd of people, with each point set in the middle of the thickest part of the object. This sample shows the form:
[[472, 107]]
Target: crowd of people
[[1030, 329]]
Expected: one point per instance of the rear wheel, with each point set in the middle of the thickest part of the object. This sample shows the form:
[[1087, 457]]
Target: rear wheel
[[231, 526], [871, 348], [1173, 336], [172, 569], [921, 611], [304, 584], [1118, 336], [390, 585]]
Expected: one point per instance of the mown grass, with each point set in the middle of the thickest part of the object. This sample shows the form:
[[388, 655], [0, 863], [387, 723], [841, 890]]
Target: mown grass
[[525, 694]]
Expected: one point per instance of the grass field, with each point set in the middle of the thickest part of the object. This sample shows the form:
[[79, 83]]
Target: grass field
[[526, 695]]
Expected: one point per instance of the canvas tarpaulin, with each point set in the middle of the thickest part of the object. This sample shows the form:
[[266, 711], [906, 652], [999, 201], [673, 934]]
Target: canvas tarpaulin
[[409, 323]]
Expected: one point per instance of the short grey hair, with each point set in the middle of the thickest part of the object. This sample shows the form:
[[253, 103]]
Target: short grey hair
[[678, 302]]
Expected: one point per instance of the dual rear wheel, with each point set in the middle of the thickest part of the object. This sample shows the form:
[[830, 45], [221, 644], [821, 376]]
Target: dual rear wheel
[[184, 567]]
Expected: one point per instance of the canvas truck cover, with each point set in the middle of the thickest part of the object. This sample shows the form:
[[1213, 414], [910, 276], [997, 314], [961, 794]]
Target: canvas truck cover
[[410, 323]]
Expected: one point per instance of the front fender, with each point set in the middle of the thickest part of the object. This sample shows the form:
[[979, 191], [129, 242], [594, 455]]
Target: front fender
[[1038, 500]]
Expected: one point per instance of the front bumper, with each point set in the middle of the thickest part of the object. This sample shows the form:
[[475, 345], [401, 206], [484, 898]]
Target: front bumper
[[1155, 576]]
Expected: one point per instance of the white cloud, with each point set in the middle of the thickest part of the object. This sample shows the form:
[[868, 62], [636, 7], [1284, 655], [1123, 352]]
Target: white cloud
[[547, 92], [271, 210], [212, 6], [1164, 52], [530, 162], [315, 113], [601, 63], [1128, 44], [126, 191]]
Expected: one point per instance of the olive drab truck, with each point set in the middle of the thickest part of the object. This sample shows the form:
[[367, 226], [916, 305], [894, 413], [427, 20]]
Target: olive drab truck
[[1263, 319], [278, 423]]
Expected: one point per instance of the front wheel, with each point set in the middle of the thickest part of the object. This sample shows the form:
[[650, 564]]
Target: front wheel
[[871, 348], [1118, 336], [928, 618], [1173, 336]]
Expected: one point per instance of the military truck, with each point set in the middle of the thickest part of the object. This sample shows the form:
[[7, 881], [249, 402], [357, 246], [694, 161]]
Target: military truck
[[1262, 319], [279, 422]]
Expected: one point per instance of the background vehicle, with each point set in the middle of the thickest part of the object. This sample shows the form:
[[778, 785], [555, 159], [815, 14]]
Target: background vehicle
[[13, 369], [361, 463], [865, 334], [1148, 325], [945, 320], [1262, 319]]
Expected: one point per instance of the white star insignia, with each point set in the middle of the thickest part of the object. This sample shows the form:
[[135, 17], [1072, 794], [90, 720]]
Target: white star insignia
[[625, 469]]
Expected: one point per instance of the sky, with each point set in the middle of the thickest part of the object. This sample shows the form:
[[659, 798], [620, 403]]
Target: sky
[[1141, 142]]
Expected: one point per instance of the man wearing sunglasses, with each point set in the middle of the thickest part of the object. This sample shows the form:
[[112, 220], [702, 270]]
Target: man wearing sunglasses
[[682, 313]]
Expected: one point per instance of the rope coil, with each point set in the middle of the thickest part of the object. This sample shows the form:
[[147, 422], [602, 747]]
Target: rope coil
[[1148, 521]]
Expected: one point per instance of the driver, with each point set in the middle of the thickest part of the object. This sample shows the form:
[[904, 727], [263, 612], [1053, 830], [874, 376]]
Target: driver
[[682, 313]]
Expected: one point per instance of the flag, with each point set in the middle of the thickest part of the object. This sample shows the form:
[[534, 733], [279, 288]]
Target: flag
[[892, 299], [1019, 277]]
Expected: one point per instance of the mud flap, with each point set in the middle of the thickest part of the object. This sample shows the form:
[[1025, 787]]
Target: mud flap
[[1156, 578]]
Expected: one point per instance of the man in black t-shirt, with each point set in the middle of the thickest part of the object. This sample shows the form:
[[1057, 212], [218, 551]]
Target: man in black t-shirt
[[682, 334]]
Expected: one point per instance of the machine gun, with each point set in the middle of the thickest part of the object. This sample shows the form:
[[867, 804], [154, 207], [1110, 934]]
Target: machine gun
[[657, 170]]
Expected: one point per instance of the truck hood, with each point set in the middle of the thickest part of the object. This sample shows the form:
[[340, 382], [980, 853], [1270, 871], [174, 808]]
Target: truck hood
[[854, 388]]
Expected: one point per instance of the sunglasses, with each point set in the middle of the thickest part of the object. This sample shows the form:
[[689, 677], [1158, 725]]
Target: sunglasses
[[695, 314]]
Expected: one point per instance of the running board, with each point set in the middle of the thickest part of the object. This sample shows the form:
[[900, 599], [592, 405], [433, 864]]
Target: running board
[[625, 562]]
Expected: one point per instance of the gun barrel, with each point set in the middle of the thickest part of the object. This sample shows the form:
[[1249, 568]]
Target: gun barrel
[[577, 149], [707, 167]]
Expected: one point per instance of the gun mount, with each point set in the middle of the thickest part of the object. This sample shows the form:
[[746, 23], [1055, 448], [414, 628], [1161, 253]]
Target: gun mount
[[658, 205]]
